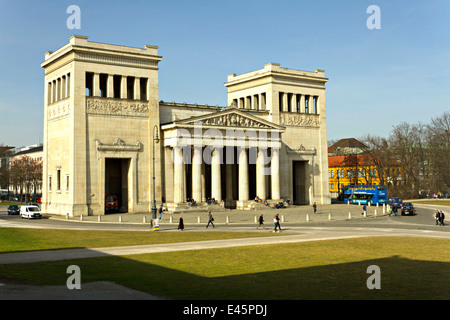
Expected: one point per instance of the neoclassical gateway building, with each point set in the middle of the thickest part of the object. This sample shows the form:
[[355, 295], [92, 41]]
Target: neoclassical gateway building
[[107, 133]]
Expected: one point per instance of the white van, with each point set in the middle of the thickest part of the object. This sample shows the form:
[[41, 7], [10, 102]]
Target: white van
[[30, 212]]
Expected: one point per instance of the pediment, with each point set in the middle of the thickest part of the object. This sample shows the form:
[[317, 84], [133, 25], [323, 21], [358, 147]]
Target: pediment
[[230, 117]]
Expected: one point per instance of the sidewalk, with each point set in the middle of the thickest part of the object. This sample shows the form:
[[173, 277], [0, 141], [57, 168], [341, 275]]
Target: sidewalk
[[292, 214]]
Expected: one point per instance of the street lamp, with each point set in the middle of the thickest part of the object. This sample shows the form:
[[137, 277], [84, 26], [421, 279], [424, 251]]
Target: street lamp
[[155, 139]]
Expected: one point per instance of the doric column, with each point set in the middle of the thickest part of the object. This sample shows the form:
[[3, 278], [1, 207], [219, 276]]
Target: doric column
[[310, 104], [96, 85], [243, 174], [275, 174], [260, 176], [197, 174], [285, 102], [123, 88], [137, 88], [216, 183], [110, 86], [293, 103], [302, 103], [178, 175]]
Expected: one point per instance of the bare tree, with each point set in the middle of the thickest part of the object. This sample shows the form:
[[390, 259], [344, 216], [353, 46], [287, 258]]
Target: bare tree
[[438, 146]]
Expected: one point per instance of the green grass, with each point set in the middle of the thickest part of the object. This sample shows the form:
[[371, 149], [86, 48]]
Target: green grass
[[22, 239], [435, 202], [411, 268]]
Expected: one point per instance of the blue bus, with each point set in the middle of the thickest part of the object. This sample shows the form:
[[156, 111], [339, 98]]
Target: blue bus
[[365, 194]]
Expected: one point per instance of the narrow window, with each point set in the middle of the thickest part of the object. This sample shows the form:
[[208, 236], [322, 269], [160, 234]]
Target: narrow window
[[130, 88], [117, 80], [50, 183], [280, 101], [306, 104], [103, 85], [58, 179], [144, 88], [67, 182], [89, 84]]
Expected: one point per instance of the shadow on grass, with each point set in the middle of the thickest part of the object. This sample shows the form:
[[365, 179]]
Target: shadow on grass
[[400, 278]]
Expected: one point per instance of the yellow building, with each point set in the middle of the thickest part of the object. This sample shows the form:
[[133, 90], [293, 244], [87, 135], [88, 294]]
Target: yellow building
[[350, 169]]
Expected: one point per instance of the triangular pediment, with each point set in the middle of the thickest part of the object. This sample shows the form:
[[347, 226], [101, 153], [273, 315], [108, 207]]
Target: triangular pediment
[[230, 117]]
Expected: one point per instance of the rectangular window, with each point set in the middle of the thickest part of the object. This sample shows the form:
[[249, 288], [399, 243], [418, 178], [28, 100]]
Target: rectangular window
[[144, 88], [50, 183], [103, 85], [130, 88], [67, 182], [58, 179], [89, 84]]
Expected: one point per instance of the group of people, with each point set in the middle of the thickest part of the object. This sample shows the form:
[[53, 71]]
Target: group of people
[[276, 222], [440, 216]]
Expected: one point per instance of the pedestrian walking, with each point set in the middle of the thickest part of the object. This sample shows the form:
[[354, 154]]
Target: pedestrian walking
[[261, 222], [315, 207], [364, 211], [210, 220], [160, 211], [437, 215], [181, 224], [276, 222], [441, 218]]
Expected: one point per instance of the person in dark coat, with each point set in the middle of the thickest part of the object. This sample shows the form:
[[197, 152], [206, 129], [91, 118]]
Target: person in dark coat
[[261, 222], [441, 218], [181, 224]]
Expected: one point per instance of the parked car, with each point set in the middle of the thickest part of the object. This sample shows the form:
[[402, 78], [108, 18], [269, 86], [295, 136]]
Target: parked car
[[408, 209], [13, 209], [30, 212]]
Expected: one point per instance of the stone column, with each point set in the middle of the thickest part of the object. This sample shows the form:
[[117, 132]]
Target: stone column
[[96, 85], [178, 175], [302, 103], [216, 183], [293, 103], [123, 87], [110, 86], [243, 174], [260, 176], [197, 174], [285, 102], [310, 104], [137, 88], [262, 99], [275, 173]]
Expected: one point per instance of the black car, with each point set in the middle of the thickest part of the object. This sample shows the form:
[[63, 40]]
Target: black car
[[408, 209], [13, 209]]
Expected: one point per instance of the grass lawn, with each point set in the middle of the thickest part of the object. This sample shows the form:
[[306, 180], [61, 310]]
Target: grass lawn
[[435, 202], [22, 239], [411, 268]]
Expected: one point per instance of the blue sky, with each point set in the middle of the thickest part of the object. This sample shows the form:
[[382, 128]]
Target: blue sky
[[377, 78]]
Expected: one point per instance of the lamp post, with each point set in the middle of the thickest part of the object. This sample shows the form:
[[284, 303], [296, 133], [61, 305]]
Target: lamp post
[[155, 139]]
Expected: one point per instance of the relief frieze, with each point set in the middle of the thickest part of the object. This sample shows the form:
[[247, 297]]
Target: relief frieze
[[116, 107], [301, 120]]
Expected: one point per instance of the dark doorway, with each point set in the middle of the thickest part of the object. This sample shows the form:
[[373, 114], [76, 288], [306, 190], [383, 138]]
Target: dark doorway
[[116, 184], [300, 182]]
